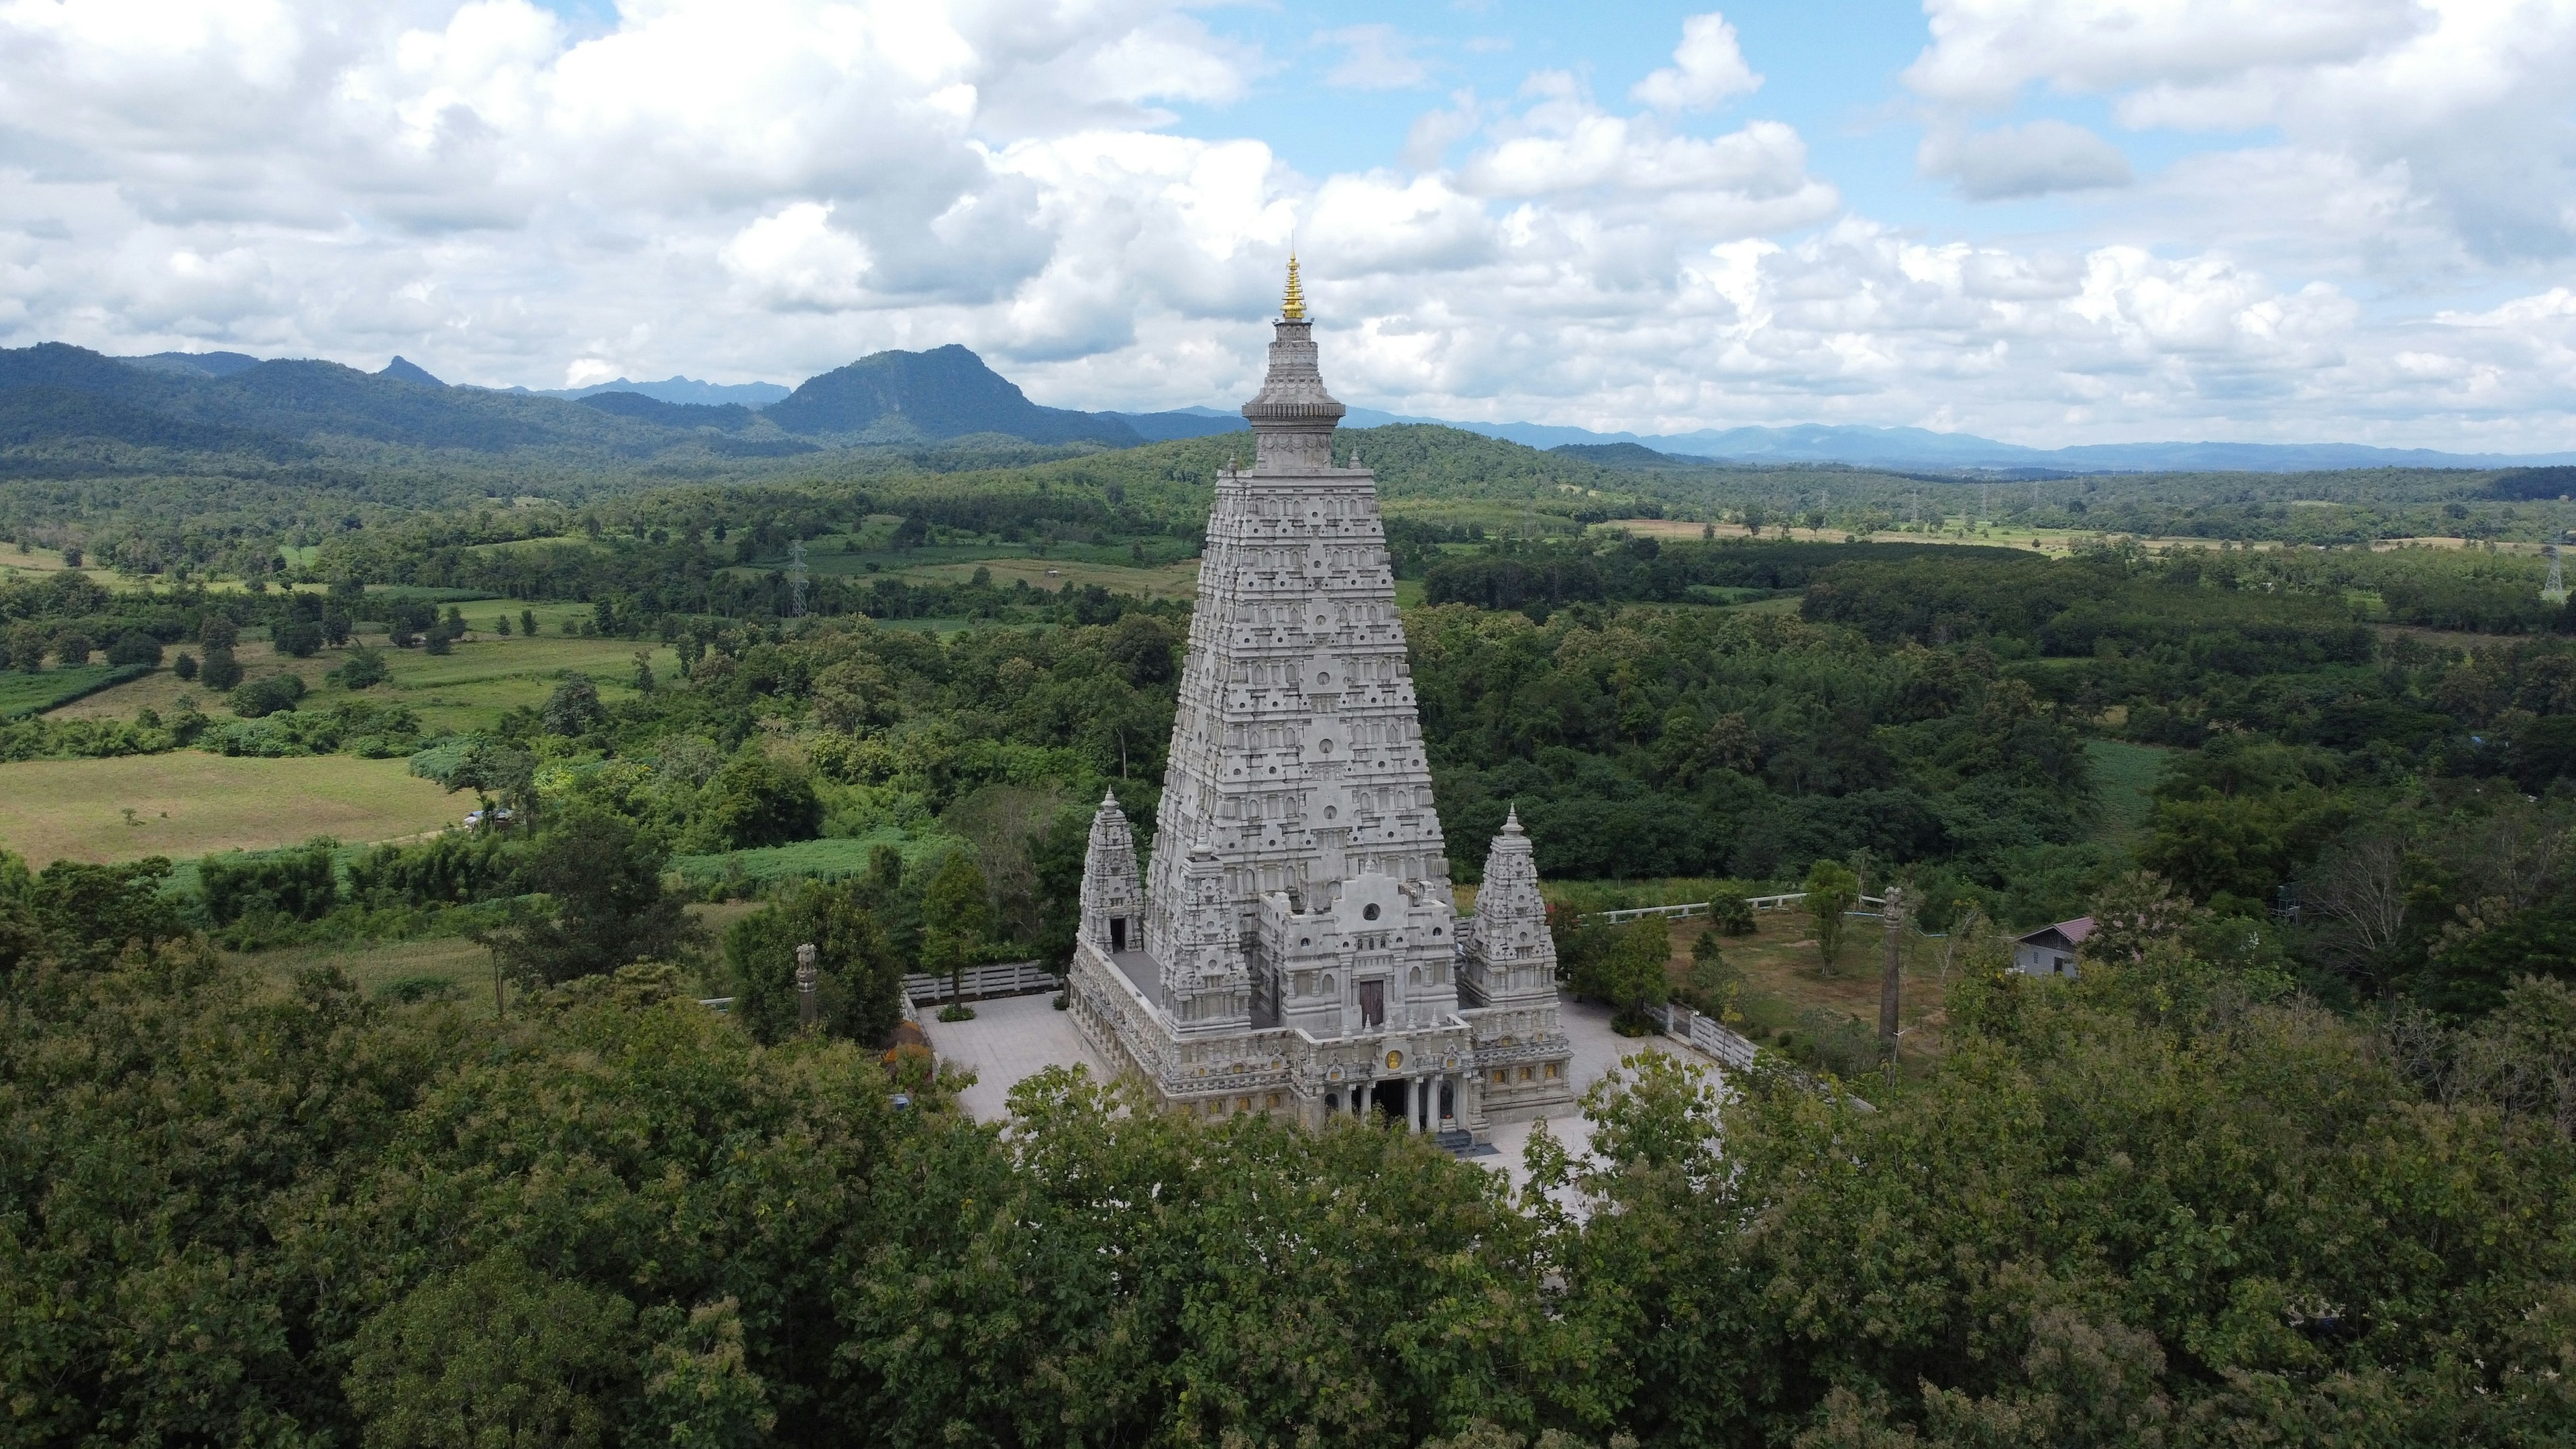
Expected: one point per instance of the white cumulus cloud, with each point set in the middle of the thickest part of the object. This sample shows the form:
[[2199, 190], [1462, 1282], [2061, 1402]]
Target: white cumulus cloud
[[2034, 160], [1708, 67], [770, 188]]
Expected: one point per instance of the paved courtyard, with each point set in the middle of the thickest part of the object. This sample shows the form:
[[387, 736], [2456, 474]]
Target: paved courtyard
[[1015, 1037], [1011, 1037]]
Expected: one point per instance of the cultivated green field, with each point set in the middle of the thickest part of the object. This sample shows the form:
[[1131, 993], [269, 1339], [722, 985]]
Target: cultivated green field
[[23, 693], [186, 804]]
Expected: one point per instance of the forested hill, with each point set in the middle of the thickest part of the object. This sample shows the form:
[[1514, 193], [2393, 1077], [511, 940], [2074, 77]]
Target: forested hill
[[73, 412]]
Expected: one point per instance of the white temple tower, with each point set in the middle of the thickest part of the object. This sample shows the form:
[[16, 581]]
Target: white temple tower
[[1300, 947]]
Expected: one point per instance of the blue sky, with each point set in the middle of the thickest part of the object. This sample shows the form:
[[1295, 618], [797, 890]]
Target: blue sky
[[2053, 221]]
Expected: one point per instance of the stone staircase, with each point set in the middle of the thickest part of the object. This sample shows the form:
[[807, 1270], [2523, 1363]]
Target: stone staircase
[[1458, 1142]]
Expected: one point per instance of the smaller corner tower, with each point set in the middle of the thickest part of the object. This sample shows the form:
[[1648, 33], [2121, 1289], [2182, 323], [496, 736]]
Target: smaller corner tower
[[1509, 958], [1113, 898], [1207, 980]]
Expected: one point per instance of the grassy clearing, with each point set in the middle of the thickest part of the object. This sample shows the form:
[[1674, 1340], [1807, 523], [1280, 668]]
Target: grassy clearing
[[806, 859], [47, 561], [467, 689], [1171, 581], [447, 969], [1785, 988], [2125, 773], [186, 804]]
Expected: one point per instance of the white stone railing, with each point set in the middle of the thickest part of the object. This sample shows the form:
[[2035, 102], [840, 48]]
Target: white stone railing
[[1004, 978], [1780, 902]]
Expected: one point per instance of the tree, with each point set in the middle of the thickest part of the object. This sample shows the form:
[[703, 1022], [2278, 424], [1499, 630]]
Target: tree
[[27, 648], [859, 978], [72, 647], [574, 707], [496, 1354], [754, 801], [365, 668], [185, 666], [1628, 969], [300, 885], [92, 912], [1831, 889], [221, 671], [134, 647], [956, 916], [604, 906], [1714, 980], [301, 638]]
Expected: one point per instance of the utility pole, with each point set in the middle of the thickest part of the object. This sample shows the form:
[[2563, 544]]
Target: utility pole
[[807, 978], [1891, 977]]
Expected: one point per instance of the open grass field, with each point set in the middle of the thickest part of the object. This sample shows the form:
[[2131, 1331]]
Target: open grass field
[[467, 689], [186, 804], [161, 690], [1171, 581]]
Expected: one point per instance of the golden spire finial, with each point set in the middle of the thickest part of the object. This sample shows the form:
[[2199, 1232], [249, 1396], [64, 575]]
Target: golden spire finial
[[1293, 306]]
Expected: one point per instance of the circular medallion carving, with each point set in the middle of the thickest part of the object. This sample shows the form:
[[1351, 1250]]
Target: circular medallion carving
[[1394, 1060]]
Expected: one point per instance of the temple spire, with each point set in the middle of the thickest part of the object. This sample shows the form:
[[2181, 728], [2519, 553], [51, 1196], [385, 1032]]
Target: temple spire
[[1293, 306]]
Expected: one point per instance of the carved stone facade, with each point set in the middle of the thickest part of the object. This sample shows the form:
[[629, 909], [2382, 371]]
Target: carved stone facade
[[1295, 946]]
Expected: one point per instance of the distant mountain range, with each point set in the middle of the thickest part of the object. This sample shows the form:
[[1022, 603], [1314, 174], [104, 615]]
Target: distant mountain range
[[55, 394], [674, 389]]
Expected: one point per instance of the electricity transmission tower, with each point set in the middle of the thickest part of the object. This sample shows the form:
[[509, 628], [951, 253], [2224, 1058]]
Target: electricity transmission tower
[[796, 579], [2555, 591]]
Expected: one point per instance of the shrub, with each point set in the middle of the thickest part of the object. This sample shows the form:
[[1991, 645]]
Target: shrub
[[221, 670], [134, 647], [300, 884], [185, 667], [299, 637], [1730, 913], [272, 695], [451, 869], [364, 669], [412, 990], [72, 647]]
